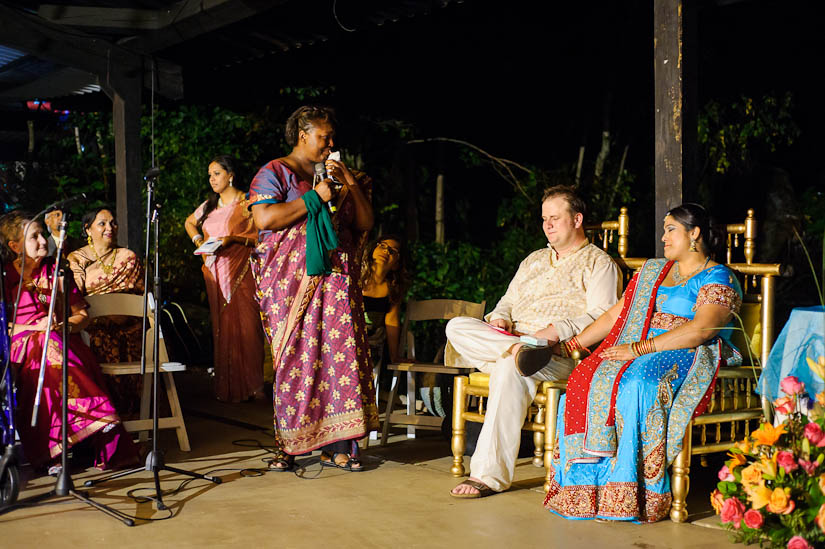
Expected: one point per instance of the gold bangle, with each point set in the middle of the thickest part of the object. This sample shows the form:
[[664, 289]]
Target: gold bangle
[[652, 346]]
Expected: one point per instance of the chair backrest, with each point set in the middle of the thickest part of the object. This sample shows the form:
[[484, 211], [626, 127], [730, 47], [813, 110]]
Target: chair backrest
[[604, 232], [748, 231], [435, 309], [126, 305]]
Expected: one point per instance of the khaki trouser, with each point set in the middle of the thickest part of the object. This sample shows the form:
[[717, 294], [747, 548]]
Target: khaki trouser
[[483, 347]]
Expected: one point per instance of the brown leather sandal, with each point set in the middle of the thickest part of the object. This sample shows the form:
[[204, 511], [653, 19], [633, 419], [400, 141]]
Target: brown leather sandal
[[483, 490]]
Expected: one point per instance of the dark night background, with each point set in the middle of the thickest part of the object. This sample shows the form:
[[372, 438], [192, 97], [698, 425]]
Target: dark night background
[[527, 81]]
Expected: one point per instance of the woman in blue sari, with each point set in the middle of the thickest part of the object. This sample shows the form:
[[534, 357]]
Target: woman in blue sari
[[628, 404]]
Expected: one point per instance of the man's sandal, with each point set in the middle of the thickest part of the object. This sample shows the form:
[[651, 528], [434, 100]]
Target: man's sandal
[[282, 462], [530, 360], [349, 465], [483, 490]]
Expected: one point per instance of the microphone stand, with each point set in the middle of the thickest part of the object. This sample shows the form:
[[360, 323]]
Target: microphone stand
[[63, 486], [154, 460]]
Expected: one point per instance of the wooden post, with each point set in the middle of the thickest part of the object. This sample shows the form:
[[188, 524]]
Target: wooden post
[[128, 181], [439, 209], [675, 99]]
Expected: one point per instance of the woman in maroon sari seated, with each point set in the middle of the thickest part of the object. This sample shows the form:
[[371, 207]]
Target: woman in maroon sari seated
[[306, 267], [91, 414]]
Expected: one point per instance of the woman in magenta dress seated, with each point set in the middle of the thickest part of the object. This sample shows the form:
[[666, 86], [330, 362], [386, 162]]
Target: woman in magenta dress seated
[[306, 267], [91, 415]]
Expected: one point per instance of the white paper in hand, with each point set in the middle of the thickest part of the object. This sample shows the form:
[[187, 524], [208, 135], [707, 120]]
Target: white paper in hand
[[209, 247]]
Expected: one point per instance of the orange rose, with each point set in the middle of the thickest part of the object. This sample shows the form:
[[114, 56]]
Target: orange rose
[[780, 503], [717, 499], [820, 398], [751, 477], [822, 483]]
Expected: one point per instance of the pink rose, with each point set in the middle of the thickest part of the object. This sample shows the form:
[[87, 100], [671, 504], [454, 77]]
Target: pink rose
[[784, 405], [725, 474], [791, 385], [733, 511], [798, 542], [754, 519], [786, 460], [808, 466], [814, 433]]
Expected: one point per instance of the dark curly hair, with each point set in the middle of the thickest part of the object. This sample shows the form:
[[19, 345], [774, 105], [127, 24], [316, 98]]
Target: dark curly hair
[[397, 280], [304, 119]]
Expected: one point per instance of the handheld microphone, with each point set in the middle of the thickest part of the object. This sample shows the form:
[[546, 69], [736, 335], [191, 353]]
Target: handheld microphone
[[60, 204], [321, 173]]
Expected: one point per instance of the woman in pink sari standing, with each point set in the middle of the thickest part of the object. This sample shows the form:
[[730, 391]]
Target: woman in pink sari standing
[[91, 414], [236, 319], [306, 268]]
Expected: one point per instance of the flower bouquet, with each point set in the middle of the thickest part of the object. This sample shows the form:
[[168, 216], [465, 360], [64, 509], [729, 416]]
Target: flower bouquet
[[772, 489]]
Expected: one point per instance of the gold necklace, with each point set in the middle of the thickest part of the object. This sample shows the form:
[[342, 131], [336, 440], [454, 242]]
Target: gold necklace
[[107, 269], [680, 280]]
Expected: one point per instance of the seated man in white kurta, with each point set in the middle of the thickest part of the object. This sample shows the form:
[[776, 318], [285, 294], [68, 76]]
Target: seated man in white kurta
[[554, 295]]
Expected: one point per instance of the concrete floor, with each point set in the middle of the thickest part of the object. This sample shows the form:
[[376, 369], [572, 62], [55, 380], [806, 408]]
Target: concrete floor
[[401, 500]]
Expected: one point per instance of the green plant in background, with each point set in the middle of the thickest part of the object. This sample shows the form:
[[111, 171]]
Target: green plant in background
[[734, 134]]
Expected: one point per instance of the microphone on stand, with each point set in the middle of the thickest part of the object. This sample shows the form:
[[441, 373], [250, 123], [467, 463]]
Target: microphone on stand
[[60, 204], [321, 173], [153, 172]]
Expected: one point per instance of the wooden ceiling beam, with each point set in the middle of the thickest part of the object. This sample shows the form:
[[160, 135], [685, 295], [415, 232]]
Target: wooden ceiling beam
[[31, 34], [197, 18]]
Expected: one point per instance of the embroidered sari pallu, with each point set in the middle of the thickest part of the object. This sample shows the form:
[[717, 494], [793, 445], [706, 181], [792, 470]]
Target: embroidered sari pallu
[[621, 424]]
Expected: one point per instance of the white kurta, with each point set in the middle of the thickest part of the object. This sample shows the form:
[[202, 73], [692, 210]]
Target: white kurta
[[568, 292]]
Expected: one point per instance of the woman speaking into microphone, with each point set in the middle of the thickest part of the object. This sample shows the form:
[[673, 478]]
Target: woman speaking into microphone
[[306, 268]]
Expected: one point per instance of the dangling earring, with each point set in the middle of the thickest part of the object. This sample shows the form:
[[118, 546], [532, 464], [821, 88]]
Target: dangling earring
[[230, 182], [89, 240], [692, 245]]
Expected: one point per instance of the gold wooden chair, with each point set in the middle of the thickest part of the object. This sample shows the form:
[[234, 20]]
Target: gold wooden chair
[[132, 305], [734, 407], [433, 309], [546, 403]]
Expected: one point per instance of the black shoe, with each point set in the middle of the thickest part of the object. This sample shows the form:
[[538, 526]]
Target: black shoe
[[530, 360]]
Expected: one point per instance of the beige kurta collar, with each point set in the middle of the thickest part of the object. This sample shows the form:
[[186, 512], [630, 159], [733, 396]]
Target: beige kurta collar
[[554, 255]]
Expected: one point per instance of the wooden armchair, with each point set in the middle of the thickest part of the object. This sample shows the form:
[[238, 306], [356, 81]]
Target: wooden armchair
[[734, 408], [476, 386]]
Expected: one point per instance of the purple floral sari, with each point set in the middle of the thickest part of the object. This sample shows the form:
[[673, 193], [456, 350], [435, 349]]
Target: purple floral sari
[[323, 391]]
